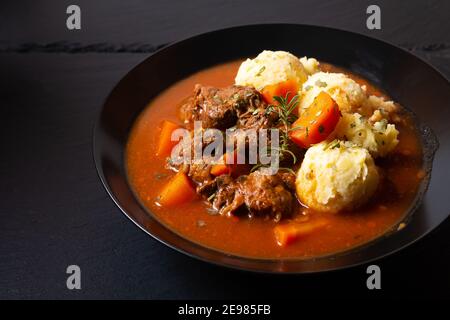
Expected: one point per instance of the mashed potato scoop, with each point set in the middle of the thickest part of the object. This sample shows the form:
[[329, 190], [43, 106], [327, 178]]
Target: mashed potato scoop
[[271, 68], [348, 94], [336, 176], [379, 138]]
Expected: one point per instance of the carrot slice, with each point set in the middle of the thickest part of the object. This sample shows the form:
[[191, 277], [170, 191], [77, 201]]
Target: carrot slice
[[177, 191], [165, 143], [220, 169], [281, 89], [224, 168], [317, 122], [286, 234]]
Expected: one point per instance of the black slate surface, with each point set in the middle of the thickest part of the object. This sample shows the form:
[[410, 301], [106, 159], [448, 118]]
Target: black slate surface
[[53, 209]]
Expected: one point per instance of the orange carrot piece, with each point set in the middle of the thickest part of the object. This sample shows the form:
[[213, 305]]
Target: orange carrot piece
[[280, 89], [317, 122], [224, 168], [286, 234], [177, 191], [165, 143], [219, 169]]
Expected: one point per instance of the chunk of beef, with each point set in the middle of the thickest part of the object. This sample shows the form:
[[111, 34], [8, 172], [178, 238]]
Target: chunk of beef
[[266, 195], [225, 108], [199, 170], [288, 179], [257, 194], [260, 193], [227, 200], [257, 119], [200, 173]]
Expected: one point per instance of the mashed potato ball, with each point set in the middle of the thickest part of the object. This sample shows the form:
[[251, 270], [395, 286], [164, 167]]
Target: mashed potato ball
[[336, 176], [270, 67], [347, 93], [379, 139], [378, 103]]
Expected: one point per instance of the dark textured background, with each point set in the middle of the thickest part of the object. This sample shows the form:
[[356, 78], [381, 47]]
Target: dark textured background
[[53, 209]]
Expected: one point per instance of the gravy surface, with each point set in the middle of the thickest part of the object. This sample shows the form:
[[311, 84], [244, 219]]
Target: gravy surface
[[402, 173]]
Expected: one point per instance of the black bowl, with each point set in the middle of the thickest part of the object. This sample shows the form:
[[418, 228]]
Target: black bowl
[[406, 78]]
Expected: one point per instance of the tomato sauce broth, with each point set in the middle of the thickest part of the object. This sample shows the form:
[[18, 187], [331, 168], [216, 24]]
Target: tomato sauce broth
[[254, 237]]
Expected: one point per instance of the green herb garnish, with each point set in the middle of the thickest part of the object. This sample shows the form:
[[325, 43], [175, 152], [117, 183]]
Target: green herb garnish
[[321, 84], [261, 71], [336, 145], [333, 144], [287, 169], [321, 129], [211, 197], [286, 117]]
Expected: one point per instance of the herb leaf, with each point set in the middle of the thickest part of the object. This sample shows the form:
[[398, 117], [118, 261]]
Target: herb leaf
[[321, 84], [261, 71], [285, 110]]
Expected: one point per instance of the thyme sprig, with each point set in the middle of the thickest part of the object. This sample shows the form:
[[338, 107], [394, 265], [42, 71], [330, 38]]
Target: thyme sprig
[[284, 109]]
